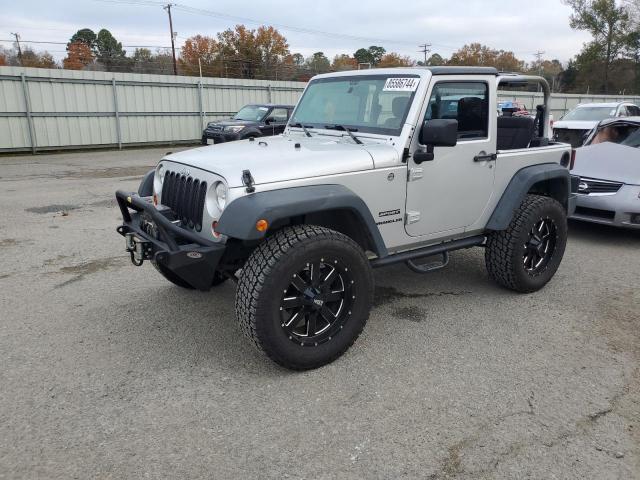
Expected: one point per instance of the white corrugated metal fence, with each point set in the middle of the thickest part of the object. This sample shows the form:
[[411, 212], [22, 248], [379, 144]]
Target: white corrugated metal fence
[[48, 109]]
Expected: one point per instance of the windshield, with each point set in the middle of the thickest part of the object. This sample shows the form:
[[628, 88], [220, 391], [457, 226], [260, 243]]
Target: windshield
[[252, 113], [590, 113], [364, 103], [622, 133]]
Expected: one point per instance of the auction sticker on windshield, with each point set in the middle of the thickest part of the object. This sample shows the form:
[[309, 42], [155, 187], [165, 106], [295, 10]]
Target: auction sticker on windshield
[[401, 84]]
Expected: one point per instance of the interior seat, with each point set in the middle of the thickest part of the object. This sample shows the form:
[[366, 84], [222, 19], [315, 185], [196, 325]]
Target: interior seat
[[398, 107], [514, 132]]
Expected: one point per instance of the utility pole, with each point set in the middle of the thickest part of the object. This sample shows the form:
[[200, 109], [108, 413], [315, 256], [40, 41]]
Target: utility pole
[[424, 48], [538, 56], [173, 46], [17, 35]]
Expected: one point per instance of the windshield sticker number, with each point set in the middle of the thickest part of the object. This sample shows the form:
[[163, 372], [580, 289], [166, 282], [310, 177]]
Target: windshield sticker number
[[401, 85]]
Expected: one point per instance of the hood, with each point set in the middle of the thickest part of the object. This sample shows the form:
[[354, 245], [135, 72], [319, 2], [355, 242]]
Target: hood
[[575, 124], [274, 159], [231, 122], [608, 161]]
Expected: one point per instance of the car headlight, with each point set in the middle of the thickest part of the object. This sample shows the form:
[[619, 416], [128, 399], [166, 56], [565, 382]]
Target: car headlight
[[160, 173], [233, 128], [221, 195]]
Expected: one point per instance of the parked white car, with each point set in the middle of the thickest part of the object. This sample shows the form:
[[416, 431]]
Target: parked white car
[[573, 126], [609, 169]]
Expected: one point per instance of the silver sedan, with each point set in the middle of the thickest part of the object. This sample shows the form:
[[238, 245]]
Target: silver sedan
[[609, 170]]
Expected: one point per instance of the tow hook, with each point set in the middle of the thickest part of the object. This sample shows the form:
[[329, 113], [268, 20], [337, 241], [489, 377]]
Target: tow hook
[[138, 249]]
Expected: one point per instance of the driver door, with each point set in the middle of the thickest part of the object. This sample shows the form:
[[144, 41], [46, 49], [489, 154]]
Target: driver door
[[451, 192]]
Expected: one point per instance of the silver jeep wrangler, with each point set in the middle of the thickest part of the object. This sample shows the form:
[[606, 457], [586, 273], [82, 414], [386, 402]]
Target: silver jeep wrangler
[[374, 168]]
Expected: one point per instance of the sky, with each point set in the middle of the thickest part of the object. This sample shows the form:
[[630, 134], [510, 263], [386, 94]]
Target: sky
[[331, 26]]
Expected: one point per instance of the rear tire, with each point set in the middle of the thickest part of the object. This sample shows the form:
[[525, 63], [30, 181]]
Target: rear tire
[[304, 296], [526, 255]]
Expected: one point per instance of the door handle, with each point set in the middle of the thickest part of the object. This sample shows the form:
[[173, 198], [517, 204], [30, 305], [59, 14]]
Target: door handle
[[485, 157]]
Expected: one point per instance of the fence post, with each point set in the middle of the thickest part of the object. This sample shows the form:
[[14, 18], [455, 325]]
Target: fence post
[[117, 112], [27, 107], [201, 104], [269, 92]]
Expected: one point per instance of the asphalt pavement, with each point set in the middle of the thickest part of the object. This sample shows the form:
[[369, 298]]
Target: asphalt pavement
[[108, 371]]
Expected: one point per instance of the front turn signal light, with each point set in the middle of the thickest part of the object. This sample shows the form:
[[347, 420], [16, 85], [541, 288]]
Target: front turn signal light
[[262, 225]]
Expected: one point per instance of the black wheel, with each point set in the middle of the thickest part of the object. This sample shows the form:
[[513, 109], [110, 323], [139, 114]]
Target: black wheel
[[218, 278], [203, 140], [526, 255], [304, 296]]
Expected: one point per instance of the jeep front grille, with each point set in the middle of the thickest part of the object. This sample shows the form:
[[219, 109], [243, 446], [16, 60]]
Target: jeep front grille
[[185, 196], [592, 186]]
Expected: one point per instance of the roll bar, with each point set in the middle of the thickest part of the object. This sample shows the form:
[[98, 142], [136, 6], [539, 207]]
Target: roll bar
[[517, 80]]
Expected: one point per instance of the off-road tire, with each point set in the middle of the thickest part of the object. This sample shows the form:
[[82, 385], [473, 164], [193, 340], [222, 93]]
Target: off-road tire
[[269, 271], [218, 278], [505, 250]]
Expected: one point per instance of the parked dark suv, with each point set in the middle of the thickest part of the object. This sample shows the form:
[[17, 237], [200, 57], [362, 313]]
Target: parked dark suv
[[259, 120]]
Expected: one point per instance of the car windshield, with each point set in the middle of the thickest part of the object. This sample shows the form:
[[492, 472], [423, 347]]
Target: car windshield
[[590, 113], [622, 133], [363, 103], [253, 113]]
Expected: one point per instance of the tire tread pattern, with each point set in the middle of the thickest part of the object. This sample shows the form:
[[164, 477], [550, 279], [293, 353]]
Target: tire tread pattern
[[257, 270]]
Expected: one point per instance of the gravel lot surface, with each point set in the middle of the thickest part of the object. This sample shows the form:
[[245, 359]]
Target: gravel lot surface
[[108, 371]]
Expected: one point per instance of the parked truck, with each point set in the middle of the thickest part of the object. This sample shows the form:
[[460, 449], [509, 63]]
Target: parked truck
[[374, 168]]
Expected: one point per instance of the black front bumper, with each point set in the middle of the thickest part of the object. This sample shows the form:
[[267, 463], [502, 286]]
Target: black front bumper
[[219, 136], [151, 235]]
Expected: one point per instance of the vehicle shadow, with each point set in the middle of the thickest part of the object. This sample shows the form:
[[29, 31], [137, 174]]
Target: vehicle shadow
[[603, 234]]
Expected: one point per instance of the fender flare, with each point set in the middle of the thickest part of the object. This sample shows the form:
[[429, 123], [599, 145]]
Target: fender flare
[[521, 184], [239, 218], [146, 185]]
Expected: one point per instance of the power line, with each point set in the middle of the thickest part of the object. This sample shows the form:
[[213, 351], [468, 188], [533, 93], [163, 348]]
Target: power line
[[65, 43]]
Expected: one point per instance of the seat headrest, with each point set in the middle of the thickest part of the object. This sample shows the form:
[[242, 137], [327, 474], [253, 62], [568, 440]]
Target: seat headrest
[[398, 106]]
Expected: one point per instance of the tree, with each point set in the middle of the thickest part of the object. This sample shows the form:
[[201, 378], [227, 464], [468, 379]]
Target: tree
[[395, 60], [435, 60], [252, 53], [344, 62], [109, 51], [272, 48], [551, 70], [79, 56], [318, 63], [204, 48], [371, 55], [608, 24], [37, 60], [86, 36], [476, 54]]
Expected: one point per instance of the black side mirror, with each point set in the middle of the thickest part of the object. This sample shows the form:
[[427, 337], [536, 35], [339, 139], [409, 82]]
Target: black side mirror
[[440, 132], [269, 120]]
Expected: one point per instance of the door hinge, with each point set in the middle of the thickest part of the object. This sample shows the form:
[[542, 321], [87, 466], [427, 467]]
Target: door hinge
[[415, 173], [412, 217]]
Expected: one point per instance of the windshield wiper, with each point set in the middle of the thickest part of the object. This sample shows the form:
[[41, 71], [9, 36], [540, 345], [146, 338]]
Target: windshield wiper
[[346, 129], [299, 125]]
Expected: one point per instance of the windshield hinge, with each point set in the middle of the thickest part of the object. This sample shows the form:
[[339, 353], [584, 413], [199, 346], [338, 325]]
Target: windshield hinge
[[248, 181]]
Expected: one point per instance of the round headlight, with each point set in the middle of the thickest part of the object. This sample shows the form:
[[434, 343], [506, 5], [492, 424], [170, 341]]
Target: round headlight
[[160, 173], [221, 195]]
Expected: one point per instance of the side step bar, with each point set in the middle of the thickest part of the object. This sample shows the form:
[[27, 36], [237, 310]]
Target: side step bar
[[429, 251]]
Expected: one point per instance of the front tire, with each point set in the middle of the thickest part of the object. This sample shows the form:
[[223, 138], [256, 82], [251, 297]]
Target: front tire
[[526, 255], [304, 296]]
